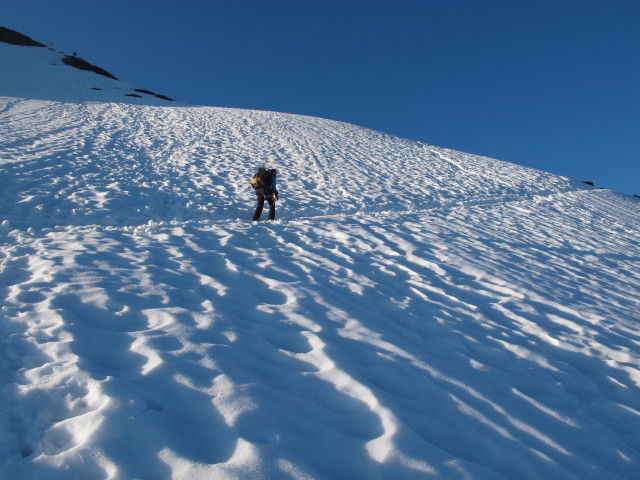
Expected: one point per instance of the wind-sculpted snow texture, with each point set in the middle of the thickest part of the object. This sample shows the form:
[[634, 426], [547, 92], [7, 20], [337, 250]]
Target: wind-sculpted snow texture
[[414, 312]]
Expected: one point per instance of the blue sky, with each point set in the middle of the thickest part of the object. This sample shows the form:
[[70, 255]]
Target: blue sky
[[550, 84]]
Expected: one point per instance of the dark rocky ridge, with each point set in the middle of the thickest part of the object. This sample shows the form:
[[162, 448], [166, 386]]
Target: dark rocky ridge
[[82, 64], [15, 38]]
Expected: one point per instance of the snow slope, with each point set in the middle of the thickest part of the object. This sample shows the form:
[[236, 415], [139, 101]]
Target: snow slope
[[414, 312]]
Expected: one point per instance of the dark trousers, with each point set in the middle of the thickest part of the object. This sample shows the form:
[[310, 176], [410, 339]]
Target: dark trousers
[[260, 205]]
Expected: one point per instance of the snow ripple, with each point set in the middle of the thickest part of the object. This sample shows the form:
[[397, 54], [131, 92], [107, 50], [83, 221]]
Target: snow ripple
[[485, 327]]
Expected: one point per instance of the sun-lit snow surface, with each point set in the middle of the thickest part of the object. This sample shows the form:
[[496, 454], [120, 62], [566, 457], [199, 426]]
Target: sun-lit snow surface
[[414, 313]]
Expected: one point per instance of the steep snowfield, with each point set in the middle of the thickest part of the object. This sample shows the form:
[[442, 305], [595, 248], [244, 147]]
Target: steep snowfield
[[414, 312], [40, 73]]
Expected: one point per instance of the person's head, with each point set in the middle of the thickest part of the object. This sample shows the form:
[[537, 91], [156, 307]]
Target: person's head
[[273, 171]]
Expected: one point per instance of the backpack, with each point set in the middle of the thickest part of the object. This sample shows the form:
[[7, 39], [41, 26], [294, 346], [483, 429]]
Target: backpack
[[262, 179]]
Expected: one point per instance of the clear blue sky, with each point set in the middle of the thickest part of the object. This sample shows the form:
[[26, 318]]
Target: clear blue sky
[[551, 84]]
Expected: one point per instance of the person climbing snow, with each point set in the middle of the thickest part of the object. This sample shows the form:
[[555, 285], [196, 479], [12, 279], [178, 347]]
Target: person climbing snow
[[264, 183]]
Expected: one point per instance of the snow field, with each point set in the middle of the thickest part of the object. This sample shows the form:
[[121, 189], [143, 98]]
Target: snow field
[[459, 317], [119, 164]]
